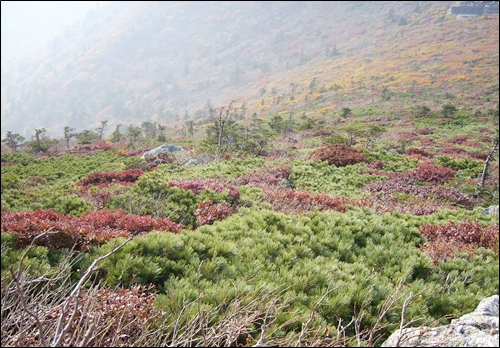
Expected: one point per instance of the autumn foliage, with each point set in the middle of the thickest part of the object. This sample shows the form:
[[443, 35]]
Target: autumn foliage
[[298, 202], [95, 227], [266, 176], [208, 212], [446, 240], [421, 152], [339, 155], [432, 173], [106, 178]]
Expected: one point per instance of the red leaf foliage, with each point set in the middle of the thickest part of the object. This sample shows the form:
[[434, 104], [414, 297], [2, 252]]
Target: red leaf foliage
[[478, 155], [291, 201], [422, 152], [425, 172], [94, 227], [426, 141], [339, 155], [453, 151], [106, 178], [388, 203], [432, 173], [376, 164], [404, 183], [100, 183], [266, 176], [207, 212], [446, 240]]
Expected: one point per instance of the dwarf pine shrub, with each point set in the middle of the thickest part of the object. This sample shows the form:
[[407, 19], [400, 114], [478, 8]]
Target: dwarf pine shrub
[[321, 178], [363, 255]]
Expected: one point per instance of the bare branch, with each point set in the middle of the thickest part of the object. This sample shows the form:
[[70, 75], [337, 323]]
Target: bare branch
[[61, 332]]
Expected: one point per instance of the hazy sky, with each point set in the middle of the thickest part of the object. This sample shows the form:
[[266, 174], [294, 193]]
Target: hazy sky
[[26, 24]]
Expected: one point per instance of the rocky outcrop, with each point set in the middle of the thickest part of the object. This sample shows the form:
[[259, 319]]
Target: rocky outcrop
[[476, 329], [161, 149]]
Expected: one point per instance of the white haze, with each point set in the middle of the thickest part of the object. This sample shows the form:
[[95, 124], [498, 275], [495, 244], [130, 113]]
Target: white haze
[[28, 24]]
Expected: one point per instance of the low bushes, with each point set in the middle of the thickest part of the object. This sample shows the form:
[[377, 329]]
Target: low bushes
[[339, 155], [58, 231]]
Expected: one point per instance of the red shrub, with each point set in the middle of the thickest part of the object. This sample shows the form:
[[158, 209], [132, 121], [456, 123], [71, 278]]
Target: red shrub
[[266, 176], [485, 139], [298, 202], [207, 212], [68, 231], [443, 249], [106, 178], [422, 152], [478, 155], [63, 233], [459, 139], [472, 144], [432, 173], [376, 165], [467, 236], [426, 142], [404, 183], [339, 155], [98, 196], [453, 151]]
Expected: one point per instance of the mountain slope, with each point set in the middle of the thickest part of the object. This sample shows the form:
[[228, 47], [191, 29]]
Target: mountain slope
[[132, 62]]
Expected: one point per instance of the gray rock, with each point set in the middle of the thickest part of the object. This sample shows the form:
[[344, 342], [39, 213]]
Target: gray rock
[[161, 149], [492, 209], [476, 329], [488, 306], [191, 162]]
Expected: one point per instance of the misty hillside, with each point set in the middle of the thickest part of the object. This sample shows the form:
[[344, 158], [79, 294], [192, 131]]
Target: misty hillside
[[169, 62]]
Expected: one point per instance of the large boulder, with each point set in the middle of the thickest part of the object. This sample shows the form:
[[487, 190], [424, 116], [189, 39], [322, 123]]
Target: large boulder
[[476, 329], [161, 149]]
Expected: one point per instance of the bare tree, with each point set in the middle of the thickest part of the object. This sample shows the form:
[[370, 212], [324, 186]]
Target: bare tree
[[220, 122]]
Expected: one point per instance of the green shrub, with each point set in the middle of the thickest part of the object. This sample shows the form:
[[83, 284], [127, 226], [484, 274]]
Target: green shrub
[[392, 162], [321, 178], [363, 255], [466, 168]]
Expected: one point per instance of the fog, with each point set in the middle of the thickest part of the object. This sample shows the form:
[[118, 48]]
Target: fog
[[28, 24]]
